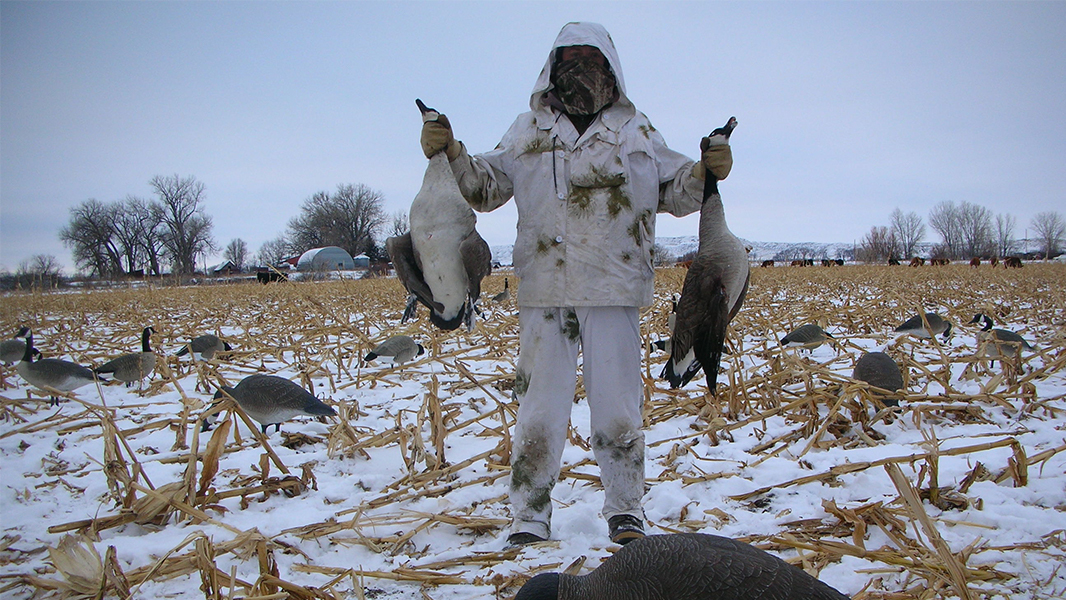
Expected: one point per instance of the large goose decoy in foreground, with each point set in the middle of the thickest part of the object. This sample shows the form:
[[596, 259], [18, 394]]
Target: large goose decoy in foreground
[[998, 343], [808, 336], [879, 370], [714, 288], [134, 366], [683, 566], [54, 373], [443, 259], [936, 325], [204, 347], [272, 400], [398, 348]]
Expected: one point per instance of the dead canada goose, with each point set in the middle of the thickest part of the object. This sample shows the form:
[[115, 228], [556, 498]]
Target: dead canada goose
[[54, 373], [398, 348], [11, 351], [134, 366], [272, 400], [879, 370], [808, 336], [915, 326], [505, 295], [713, 292], [683, 566], [443, 259], [998, 343], [204, 347]]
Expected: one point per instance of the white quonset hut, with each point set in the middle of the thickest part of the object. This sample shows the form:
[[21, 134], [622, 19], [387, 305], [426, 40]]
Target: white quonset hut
[[329, 258]]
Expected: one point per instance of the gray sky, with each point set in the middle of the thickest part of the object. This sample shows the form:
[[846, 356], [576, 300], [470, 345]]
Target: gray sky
[[846, 110]]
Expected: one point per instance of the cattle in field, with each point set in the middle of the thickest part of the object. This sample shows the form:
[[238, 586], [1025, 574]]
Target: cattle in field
[[893, 261], [1012, 262], [975, 262], [767, 263], [938, 261], [917, 261], [796, 263], [993, 261], [839, 262], [266, 277]]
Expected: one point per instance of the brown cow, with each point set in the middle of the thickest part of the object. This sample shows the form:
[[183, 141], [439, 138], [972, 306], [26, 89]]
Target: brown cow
[[1012, 262], [797, 263], [975, 262], [993, 261], [917, 261], [767, 263], [893, 261], [938, 261]]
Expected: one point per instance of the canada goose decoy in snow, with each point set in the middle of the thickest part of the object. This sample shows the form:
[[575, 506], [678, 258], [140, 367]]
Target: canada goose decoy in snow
[[272, 400], [11, 351], [936, 325], [714, 289], [879, 370], [998, 343], [443, 259], [808, 336], [398, 348], [54, 373], [505, 295], [134, 366], [204, 347], [683, 566]]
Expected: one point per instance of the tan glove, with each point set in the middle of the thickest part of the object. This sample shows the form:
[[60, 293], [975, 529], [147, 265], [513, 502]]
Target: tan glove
[[718, 159], [437, 136]]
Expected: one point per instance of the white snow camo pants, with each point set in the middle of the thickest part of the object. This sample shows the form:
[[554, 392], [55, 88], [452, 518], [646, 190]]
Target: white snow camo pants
[[609, 339]]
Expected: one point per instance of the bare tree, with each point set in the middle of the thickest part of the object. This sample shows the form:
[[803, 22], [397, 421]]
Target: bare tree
[[187, 228], [909, 230], [1050, 229], [349, 218], [90, 234], [1005, 241], [274, 251], [400, 223], [41, 270], [975, 224], [878, 245], [237, 253], [944, 219]]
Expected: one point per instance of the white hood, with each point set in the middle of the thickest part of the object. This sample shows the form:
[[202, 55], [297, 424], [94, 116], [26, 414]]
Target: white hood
[[580, 34]]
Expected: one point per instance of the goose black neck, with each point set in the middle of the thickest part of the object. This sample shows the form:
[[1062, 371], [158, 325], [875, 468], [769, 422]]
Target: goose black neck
[[144, 339], [27, 355]]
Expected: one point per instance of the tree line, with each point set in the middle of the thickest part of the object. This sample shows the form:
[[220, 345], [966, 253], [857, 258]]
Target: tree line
[[172, 232], [966, 231]]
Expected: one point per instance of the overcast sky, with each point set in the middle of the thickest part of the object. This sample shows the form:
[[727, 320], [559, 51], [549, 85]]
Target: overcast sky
[[847, 110]]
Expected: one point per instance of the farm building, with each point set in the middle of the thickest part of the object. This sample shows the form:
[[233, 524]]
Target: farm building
[[329, 258], [362, 261]]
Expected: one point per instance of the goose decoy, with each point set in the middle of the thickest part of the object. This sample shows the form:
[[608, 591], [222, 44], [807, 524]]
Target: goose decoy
[[998, 343], [683, 566], [505, 295], [134, 366], [879, 370], [54, 373], [398, 348], [11, 351], [443, 259], [204, 347], [936, 325], [808, 336], [713, 291], [272, 400]]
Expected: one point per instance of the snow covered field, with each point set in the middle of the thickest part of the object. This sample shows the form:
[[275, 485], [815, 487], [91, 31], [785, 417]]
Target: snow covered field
[[961, 493]]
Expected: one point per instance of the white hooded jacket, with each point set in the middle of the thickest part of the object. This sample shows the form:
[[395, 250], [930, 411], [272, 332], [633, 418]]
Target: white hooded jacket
[[586, 203]]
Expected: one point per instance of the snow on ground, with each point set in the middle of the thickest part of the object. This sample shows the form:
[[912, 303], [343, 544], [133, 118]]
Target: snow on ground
[[391, 508]]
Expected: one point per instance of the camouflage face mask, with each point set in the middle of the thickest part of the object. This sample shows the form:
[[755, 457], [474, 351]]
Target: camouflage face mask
[[583, 85]]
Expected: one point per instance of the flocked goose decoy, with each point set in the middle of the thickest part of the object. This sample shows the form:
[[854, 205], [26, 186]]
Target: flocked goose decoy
[[134, 366], [443, 259], [714, 289], [272, 400], [54, 373], [204, 347], [683, 566], [398, 348], [11, 351], [808, 336], [505, 294], [998, 343], [936, 325], [879, 370]]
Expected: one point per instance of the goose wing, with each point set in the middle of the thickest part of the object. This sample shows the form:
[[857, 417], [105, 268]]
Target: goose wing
[[700, 325], [477, 259], [402, 253]]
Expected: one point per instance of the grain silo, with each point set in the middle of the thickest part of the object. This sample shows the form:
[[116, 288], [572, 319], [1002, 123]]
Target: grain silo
[[329, 258]]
